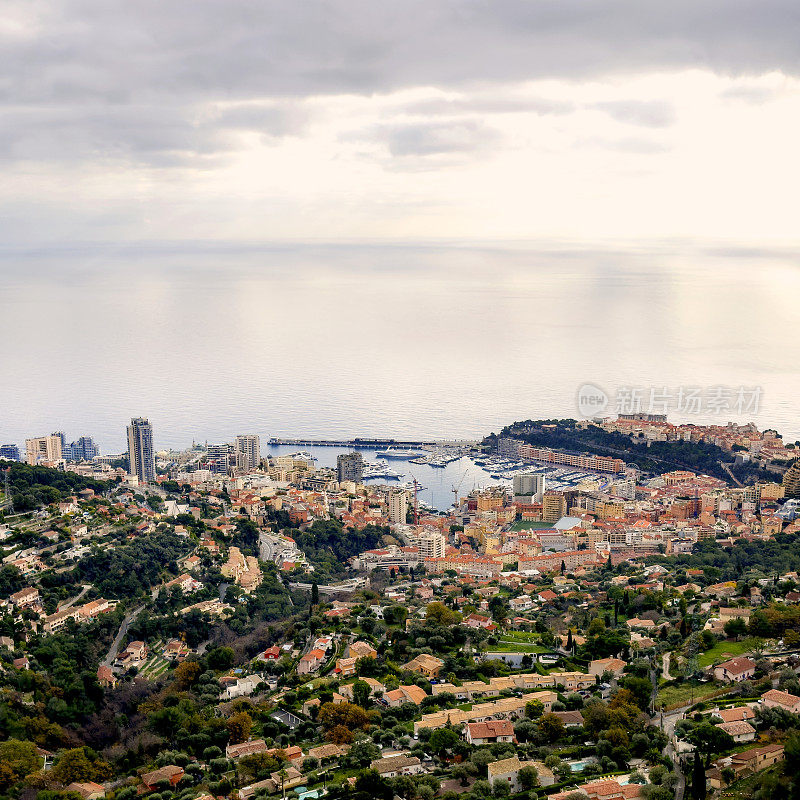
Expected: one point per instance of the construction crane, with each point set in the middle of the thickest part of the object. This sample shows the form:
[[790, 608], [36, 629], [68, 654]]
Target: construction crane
[[457, 487], [417, 484]]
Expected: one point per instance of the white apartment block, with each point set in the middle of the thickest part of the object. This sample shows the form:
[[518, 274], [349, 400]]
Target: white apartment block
[[43, 449]]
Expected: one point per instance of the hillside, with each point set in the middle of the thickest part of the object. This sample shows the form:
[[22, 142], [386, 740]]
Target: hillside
[[34, 487], [657, 458]]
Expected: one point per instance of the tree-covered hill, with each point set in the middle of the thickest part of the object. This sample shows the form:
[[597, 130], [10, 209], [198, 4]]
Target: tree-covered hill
[[131, 570], [657, 457], [33, 487], [328, 544]]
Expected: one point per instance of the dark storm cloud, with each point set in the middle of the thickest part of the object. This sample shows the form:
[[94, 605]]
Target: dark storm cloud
[[126, 79], [116, 50], [158, 135]]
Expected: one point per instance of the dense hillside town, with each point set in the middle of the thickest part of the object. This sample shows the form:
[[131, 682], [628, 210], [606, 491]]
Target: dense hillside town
[[608, 623]]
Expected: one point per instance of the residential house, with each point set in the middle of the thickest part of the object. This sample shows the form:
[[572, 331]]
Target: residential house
[[479, 621], [376, 688], [570, 719], [87, 790], [736, 670], [425, 664], [170, 774], [133, 655], [404, 694], [392, 766], [613, 665], [327, 752], [361, 650], [345, 667], [738, 714], [271, 653], [311, 662], [489, 732], [777, 699], [175, 650], [250, 748], [105, 677], [242, 687], [506, 771], [739, 731], [748, 762], [25, 597]]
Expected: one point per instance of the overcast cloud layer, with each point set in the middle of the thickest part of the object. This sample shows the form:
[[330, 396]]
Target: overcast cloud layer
[[497, 118]]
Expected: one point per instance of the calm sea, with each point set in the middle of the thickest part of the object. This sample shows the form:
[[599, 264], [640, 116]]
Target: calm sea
[[341, 341]]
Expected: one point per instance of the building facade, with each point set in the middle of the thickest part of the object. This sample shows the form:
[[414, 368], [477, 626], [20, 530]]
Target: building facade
[[349, 467], [398, 507], [83, 449], [43, 449], [249, 445], [142, 458], [532, 486], [9, 452], [218, 458]]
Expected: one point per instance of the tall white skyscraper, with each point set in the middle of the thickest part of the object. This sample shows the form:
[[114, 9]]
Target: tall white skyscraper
[[531, 485], [219, 457], [141, 455], [249, 446], [398, 506]]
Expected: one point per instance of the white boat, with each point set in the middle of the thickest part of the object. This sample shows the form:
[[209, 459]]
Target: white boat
[[399, 453]]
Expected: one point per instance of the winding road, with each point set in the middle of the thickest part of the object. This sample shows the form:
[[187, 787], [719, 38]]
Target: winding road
[[123, 629], [72, 601], [667, 722]]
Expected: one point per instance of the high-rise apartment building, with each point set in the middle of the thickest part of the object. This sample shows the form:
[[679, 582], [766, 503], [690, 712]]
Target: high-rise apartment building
[[84, 449], [219, 457], [554, 506], [431, 544], [141, 455], [9, 452], [250, 447], [531, 485], [791, 481], [43, 449], [398, 506], [349, 467]]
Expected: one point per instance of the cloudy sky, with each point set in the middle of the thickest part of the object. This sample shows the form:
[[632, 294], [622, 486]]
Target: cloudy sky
[[260, 120]]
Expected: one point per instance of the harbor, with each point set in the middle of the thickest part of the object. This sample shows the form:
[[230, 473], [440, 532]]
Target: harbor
[[370, 443], [436, 483]]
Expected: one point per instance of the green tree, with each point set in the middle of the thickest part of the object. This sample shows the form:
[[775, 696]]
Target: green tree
[[463, 772], [528, 778], [735, 627], [440, 614], [361, 693], [709, 740], [239, 727], [79, 765], [442, 740], [220, 658], [551, 728], [534, 709], [698, 778], [17, 759]]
